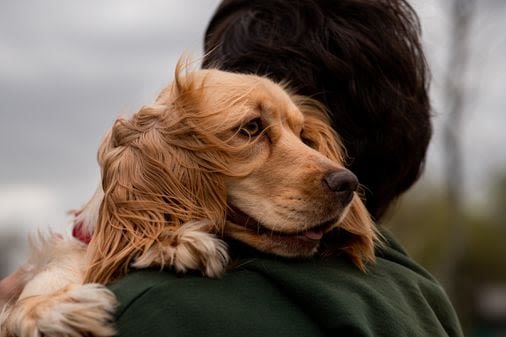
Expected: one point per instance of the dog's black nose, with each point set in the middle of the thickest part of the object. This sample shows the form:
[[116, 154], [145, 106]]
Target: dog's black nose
[[342, 182]]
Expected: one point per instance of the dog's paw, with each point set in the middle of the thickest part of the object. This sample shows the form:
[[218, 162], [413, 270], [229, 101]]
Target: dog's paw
[[190, 247], [77, 310]]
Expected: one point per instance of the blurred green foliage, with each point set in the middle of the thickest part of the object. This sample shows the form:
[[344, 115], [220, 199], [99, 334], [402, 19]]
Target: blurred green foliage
[[422, 222]]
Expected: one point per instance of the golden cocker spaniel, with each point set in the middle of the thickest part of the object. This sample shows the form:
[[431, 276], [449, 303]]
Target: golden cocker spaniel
[[218, 155]]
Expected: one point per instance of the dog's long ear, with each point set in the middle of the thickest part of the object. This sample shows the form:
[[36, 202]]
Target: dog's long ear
[[152, 186], [358, 236]]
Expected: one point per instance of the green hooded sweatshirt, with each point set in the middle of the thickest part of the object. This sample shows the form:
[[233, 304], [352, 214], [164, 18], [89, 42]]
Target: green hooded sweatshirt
[[271, 296]]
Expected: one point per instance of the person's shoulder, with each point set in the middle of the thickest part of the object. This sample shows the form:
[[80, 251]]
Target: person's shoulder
[[319, 296], [151, 284], [242, 302]]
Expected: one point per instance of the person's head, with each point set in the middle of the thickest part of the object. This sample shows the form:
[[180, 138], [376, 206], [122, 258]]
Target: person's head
[[361, 58]]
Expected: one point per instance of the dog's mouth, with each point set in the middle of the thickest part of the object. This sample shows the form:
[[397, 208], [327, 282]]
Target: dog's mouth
[[314, 234]]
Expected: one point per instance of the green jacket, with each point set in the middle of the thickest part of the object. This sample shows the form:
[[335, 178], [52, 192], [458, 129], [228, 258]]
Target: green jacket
[[269, 296]]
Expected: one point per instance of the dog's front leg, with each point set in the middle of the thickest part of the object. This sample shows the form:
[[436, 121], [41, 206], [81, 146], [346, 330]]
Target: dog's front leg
[[190, 247], [55, 302]]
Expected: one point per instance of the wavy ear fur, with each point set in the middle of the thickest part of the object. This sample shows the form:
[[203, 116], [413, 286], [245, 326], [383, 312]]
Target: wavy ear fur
[[157, 195], [356, 234]]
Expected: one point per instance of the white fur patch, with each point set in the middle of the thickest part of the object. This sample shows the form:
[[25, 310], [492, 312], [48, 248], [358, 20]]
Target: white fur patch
[[54, 302], [80, 310], [88, 215]]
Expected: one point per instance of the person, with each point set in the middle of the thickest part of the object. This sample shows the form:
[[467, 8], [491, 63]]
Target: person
[[363, 60]]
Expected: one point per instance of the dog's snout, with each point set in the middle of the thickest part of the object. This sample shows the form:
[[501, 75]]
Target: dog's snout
[[342, 182]]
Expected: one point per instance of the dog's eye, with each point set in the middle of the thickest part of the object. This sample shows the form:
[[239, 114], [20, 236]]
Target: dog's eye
[[252, 128], [307, 141]]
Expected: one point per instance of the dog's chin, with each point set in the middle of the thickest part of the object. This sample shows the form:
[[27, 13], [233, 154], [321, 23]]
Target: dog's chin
[[251, 232]]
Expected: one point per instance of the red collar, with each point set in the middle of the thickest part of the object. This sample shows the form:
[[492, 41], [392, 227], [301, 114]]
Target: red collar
[[80, 233]]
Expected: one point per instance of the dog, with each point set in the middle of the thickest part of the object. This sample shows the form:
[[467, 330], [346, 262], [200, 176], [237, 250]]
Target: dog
[[218, 155]]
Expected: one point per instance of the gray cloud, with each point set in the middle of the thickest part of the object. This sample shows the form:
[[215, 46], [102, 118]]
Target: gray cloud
[[67, 68]]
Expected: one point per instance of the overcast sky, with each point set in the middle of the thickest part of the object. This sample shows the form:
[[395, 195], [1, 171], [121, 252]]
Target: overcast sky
[[68, 68]]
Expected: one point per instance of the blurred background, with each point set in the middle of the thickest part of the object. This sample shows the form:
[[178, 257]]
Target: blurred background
[[68, 68]]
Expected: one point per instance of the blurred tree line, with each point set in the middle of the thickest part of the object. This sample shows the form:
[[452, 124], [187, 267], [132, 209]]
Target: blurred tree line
[[461, 244], [423, 223]]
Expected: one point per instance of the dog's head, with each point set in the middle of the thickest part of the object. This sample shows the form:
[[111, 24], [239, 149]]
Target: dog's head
[[260, 165]]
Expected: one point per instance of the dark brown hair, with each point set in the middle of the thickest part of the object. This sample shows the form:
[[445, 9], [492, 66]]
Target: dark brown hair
[[361, 58]]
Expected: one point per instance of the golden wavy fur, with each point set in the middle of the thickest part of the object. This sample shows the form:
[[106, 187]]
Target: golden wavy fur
[[218, 156], [181, 161]]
